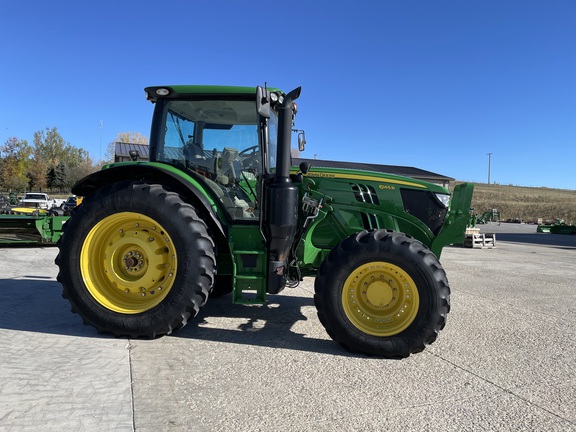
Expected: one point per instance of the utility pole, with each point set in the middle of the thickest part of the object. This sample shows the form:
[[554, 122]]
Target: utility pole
[[101, 126], [489, 158]]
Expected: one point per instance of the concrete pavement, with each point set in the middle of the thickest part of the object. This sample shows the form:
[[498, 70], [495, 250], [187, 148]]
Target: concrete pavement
[[506, 360]]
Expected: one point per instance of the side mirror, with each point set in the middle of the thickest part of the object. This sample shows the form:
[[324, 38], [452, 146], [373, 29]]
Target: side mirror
[[263, 102], [301, 139]]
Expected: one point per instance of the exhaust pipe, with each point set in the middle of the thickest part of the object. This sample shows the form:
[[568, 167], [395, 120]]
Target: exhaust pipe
[[282, 201]]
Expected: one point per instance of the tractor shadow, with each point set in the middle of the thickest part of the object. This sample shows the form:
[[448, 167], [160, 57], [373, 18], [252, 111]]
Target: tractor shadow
[[280, 323], [35, 304], [559, 241], [528, 234]]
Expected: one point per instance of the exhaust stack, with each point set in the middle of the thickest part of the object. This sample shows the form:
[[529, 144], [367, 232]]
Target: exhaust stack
[[282, 201]]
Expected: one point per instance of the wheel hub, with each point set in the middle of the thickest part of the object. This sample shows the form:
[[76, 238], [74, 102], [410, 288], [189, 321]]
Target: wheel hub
[[129, 262], [379, 294], [380, 298], [133, 261]]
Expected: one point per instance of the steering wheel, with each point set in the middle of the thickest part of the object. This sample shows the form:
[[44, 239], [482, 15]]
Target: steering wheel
[[249, 151], [250, 157]]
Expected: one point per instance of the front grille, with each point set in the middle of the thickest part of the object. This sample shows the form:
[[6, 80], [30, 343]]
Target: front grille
[[425, 206], [370, 221], [364, 193]]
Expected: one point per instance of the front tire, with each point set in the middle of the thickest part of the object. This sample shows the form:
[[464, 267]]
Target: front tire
[[382, 293], [136, 260]]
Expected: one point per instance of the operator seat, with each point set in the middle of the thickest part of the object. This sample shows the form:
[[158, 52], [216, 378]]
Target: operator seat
[[193, 151], [230, 164]]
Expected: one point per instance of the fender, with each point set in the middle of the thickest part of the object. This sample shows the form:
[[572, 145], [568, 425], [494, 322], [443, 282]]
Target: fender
[[187, 184]]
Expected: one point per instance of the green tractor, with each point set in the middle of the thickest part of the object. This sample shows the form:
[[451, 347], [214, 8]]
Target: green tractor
[[217, 208]]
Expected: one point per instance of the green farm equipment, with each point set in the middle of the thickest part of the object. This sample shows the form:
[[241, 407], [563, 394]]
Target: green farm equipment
[[29, 228], [560, 227], [489, 216], [219, 209]]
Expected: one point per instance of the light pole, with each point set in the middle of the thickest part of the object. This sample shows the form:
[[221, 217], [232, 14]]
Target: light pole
[[101, 126], [489, 158]]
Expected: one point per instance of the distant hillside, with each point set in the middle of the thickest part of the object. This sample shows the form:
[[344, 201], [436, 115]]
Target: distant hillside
[[525, 203]]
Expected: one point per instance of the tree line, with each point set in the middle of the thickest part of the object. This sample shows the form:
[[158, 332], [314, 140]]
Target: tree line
[[50, 162]]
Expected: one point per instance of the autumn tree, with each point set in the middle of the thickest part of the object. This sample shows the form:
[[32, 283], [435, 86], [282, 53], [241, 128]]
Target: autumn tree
[[15, 155], [50, 146], [37, 170], [28, 167], [124, 137], [75, 157], [87, 166], [294, 152], [51, 154]]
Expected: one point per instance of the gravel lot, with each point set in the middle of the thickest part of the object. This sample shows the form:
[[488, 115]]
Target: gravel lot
[[506, 360]]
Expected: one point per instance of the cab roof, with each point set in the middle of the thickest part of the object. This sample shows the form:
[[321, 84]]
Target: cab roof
[[182, 91]]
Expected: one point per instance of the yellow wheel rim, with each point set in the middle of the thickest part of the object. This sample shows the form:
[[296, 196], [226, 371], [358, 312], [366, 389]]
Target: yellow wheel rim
[[380, 299], [128, 263]]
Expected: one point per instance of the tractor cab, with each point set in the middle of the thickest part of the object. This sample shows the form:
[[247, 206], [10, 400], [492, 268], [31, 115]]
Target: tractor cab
[[236, 143], [221, 138]]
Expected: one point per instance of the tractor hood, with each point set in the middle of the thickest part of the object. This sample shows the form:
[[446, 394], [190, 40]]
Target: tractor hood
[[368, 200], [384, 181]]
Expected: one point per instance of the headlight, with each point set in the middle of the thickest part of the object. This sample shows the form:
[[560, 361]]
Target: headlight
[[275, 97], [444, 199]]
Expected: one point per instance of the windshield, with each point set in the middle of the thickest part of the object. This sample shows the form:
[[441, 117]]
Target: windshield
[[195, 129], [219, 140]]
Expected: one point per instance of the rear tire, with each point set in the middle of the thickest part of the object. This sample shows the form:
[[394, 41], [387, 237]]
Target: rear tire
[[136, 260], [382, 293]]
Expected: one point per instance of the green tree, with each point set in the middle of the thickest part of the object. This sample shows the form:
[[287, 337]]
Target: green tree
[[50, 177], [15, 156], [60, 179], [50, 146], [74, 156], [57, 176]]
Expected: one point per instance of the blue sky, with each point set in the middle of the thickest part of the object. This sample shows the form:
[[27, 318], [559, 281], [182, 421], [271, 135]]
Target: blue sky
[[434, 84]]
